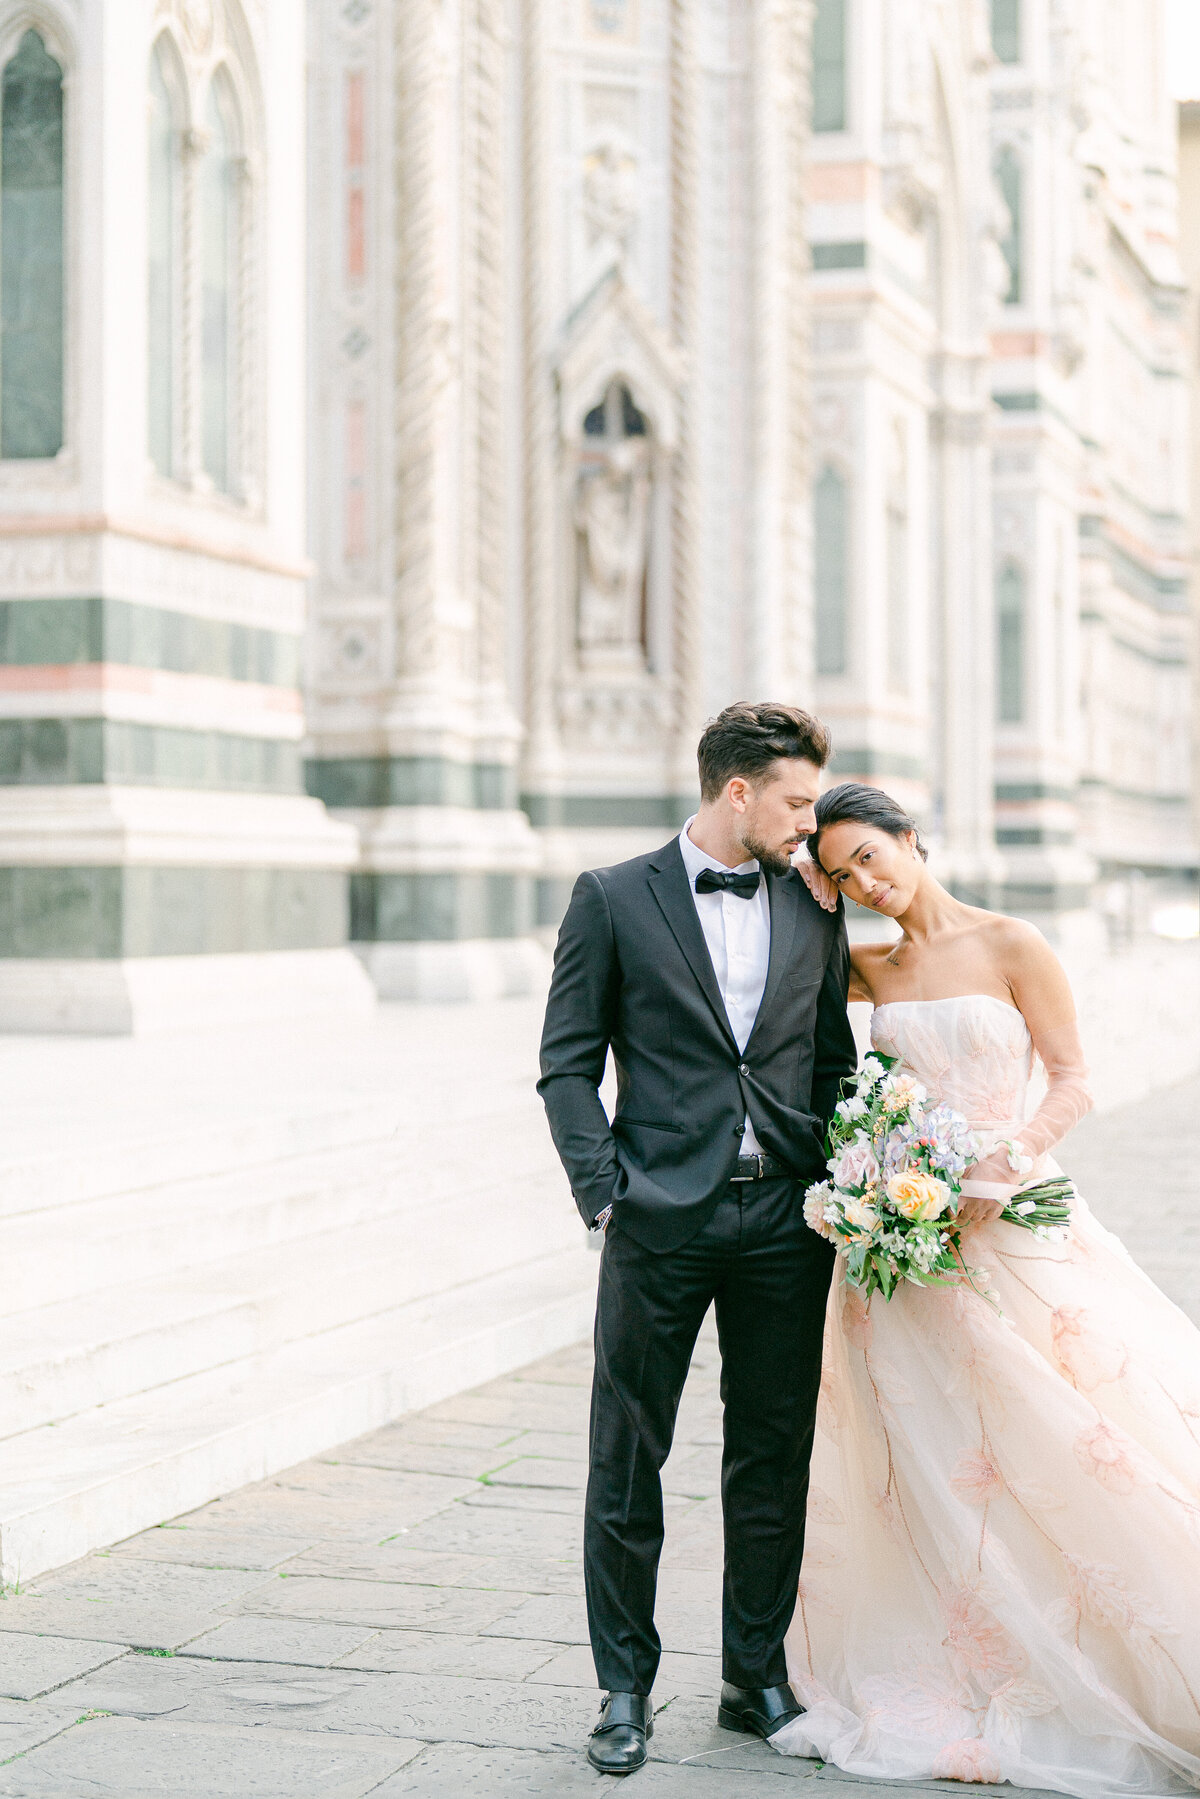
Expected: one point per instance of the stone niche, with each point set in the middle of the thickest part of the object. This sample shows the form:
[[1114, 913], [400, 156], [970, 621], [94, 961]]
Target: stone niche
[[618, 392]]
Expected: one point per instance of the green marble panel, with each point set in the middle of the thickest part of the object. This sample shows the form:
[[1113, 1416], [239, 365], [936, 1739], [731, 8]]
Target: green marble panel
[[1016, 835], [56, 632], [646, 811], [1033, 790], [839, 256], [439, 908], [60, 752], [553, 898], [1037, 896], [367, 782], [56, 752], [845, 764], [110, 912], [66, 912]]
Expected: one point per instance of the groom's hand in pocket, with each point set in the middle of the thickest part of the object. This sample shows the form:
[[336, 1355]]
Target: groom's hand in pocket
[[817, 882]]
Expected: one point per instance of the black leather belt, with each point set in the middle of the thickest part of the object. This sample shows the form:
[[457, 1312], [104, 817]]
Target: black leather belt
[[759, 1168]]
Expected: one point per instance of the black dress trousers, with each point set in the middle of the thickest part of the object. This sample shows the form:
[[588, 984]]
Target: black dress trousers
[[768, 1274]]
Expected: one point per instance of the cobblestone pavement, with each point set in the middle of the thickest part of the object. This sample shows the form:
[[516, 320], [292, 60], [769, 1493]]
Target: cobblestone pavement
[[406, 1616]]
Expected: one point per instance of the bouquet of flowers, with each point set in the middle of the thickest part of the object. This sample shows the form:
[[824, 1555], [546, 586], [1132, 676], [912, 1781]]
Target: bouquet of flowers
[[897, 1165]]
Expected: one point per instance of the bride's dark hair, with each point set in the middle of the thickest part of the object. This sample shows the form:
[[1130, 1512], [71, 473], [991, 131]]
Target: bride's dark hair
[[855, 803]]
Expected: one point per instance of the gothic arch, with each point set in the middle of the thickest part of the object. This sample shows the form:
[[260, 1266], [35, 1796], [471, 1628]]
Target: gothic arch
[[220, 102], [53, 281], [52, 24], [614, 505]]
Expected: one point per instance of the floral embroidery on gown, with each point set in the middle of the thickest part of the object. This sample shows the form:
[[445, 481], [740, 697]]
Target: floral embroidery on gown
[[1002, 1572]]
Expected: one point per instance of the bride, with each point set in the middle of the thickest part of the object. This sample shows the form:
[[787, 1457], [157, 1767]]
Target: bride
[[1002, 1576]]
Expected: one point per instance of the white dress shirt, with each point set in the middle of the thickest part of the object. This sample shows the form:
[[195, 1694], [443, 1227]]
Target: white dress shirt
[[738, 934]]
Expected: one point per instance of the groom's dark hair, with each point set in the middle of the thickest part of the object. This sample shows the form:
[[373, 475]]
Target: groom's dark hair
[[748, 738]]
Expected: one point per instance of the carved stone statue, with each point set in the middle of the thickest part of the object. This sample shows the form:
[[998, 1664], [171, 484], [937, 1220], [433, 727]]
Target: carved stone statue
[[610, 194], [612, 519]]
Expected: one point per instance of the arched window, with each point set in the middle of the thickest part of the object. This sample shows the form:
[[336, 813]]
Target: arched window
[[1006, 170], [31, 252], [1010, 644], [898, 628], [219, 236], [831, 519], [829, 66], [1006, 30], [163, 296]]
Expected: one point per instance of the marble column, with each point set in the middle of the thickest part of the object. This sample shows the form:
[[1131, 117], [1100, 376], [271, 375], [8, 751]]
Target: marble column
[[160, 861], [414, 735]]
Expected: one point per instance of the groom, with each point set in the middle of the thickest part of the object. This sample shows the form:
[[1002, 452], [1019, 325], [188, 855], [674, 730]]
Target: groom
[[720, 986]]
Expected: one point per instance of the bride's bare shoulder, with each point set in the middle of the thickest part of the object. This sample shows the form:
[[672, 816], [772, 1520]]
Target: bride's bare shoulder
[[866, 960], [1018, 948]]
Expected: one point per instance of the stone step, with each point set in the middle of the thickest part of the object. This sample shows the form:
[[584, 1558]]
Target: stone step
[[126, 1238], [145, 1139], [116, 1469], [88, 1167], [63, 1358]]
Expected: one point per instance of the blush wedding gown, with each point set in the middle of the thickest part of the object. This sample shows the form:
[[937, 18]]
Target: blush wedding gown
[[1002, 1573]]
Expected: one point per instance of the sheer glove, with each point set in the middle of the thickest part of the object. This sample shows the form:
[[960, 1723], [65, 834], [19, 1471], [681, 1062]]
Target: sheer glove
[[1067, 1099]]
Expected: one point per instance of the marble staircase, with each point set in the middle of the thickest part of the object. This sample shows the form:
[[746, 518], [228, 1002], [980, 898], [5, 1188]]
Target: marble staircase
[[237, 1250]]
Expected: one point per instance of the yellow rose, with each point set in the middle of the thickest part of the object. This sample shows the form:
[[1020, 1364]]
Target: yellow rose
[[861, 1212], [918, 1196]]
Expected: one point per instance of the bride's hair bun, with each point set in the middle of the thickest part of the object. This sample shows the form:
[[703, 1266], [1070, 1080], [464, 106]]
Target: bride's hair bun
[[856, 803]]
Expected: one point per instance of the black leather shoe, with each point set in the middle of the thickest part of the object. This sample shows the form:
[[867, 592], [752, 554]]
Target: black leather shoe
[[618, 1743], [760, 1711]]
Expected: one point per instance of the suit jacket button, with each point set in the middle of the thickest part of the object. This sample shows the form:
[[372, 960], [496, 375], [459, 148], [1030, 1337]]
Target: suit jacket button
[[743, 1068], [739, 1130]]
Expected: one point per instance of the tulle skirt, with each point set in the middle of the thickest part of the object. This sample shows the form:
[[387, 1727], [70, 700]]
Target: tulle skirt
[[1002, 1573]]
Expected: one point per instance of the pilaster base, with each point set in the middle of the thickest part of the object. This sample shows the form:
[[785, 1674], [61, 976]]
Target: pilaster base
[[567, 851], [469, 969], [1045, 880], [145, 995], [442, 905]]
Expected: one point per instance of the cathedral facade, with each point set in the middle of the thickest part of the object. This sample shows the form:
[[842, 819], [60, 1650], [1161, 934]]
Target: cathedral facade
[[417, 419]]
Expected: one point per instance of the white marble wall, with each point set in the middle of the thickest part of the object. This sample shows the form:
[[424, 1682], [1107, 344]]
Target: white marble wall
[[152, 802]]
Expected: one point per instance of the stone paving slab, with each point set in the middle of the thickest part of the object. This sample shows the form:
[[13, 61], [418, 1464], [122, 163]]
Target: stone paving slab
[[438, 1568], [381, 1605], [149, 1606], [425, 1652], [133, 1759], [313, 1645], [678, 1672], [32, 1666], [24, 1726], [197, 1547], [506, 1713], [404, 1615], [447, 1770], [501, 1531]]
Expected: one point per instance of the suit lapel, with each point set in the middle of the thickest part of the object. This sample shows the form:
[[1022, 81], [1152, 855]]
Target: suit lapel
[[783, 896], [670, 887]]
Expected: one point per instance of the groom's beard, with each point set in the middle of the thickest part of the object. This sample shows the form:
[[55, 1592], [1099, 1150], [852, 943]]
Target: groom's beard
[[775, 860]]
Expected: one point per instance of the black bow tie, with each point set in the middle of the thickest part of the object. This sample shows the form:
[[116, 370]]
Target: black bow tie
[[712, 880]]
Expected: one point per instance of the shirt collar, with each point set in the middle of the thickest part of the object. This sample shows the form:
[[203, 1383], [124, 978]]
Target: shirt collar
[[694, 858]]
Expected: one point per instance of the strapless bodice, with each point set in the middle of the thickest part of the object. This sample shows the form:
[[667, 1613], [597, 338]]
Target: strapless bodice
[[973, 1052]]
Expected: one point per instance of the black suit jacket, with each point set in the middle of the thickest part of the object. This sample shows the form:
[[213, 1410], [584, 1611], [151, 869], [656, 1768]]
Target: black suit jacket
[[632, 971]]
